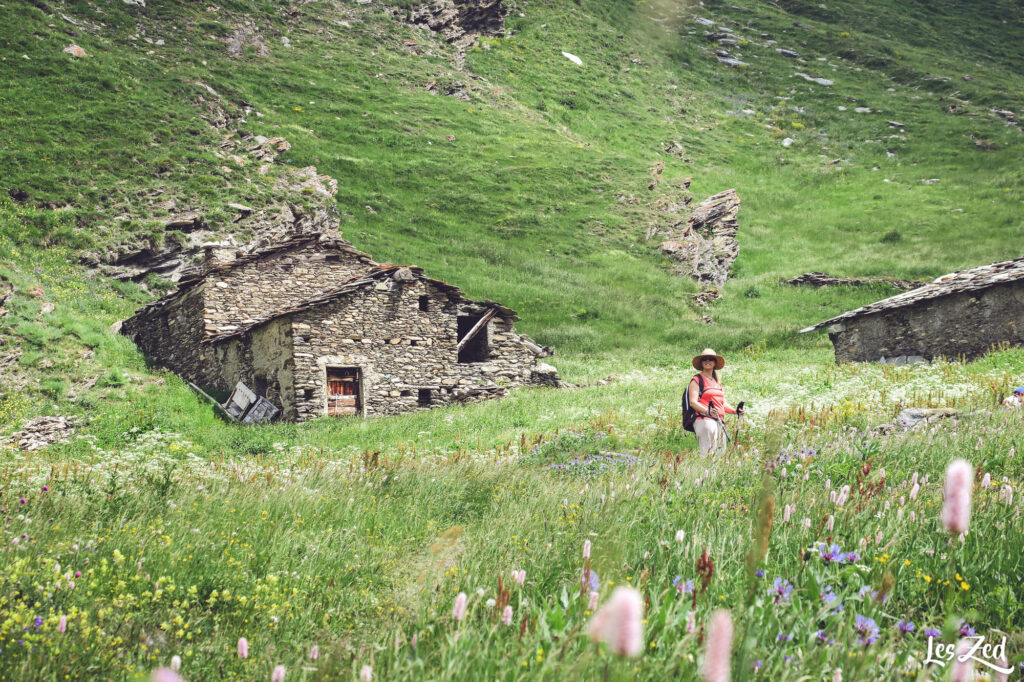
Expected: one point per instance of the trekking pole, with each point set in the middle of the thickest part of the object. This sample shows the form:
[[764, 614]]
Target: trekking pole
[[739, 416]]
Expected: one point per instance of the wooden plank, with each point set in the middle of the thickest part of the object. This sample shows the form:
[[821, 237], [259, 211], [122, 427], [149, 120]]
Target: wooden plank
[[262, 410], [206, 395], [476, 328]]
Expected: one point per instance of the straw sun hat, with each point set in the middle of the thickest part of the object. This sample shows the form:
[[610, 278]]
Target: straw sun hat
[[708, 353]]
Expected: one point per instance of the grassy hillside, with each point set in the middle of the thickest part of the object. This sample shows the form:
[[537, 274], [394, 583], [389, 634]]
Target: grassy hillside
[[530, 188]]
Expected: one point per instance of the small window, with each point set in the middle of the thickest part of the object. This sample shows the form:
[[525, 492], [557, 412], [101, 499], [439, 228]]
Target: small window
[[414, 343], [307, 394], [423, 399], [425, 303]]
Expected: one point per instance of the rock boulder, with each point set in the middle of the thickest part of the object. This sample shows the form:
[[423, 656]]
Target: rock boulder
[[706, 246]]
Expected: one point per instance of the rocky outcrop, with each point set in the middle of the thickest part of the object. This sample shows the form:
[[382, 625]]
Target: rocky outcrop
[[461, 21], [302, 202], [43, 432], [706, 297], [821, 279], [706, 246]]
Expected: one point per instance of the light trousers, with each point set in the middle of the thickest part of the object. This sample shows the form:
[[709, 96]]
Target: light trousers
[[710, 436]]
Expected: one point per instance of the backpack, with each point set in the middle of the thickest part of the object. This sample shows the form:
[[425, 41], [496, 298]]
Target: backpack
[[690, 414]]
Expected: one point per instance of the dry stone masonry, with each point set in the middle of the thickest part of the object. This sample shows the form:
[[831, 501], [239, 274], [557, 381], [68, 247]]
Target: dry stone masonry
[[961, 315], [318, 328]]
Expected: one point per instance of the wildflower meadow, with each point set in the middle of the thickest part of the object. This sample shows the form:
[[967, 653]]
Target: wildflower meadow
[[605, 550]]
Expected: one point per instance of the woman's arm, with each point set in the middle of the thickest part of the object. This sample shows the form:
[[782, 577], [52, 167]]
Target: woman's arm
[[694, 393]]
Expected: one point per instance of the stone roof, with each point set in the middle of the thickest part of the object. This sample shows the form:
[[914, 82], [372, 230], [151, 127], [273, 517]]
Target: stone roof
[[286, 245], [385, 271], [958, 282], [185, 285]]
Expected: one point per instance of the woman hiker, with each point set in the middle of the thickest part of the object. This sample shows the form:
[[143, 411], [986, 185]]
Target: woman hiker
[[709, 404]]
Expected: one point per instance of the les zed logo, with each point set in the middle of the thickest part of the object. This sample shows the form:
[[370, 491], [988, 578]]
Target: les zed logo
[[978, 651]]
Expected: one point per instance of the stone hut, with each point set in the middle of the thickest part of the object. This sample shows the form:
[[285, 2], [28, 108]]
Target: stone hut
[[318, 328], [963, 314]]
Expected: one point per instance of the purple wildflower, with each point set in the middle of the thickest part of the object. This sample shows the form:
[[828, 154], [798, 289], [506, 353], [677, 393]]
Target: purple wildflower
[[905, 626], [831, 599], [966, 630], [782, 637], [757, 664], [594, 584], [932, 632], [830, 554], [759, 573], [867, 628], [681, 586], [782, 591]]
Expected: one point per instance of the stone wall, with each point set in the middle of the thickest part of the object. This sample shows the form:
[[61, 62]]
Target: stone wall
[[277, 281], [399, 349], [170, 332], [962, 324], [262, 360]]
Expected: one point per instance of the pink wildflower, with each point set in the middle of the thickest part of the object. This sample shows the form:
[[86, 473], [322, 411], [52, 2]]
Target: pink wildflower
[[278, 674], [719, 648], [691, 622], [956, 509], [831, 522], [680, 536], [592, 604], [785, 514], [459, 610], [963, 663], [586, 549], [62, 626], [986, 481], [314, 653], [619, 623], [806, 522], [165, 675], [243, 647], [506, 616], [175, 663], [366, 673]]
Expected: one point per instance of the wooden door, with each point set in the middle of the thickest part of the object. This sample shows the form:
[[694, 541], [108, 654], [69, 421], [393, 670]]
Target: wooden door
[[343, 391]]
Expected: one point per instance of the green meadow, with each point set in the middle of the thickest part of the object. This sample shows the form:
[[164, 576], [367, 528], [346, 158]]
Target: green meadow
[[159, 530]]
